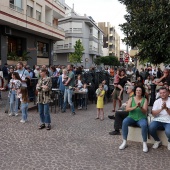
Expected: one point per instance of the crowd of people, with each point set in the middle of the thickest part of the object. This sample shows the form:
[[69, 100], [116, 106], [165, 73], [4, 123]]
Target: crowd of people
[[133, 112]]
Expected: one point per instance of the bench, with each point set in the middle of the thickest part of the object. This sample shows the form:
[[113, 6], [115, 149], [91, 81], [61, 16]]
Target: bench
[[136, 136]]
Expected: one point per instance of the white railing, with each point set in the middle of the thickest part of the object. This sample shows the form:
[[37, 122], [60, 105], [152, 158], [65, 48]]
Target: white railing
[[57, 27], [16, 8], [59, 3], [74, 30], [48, 23]]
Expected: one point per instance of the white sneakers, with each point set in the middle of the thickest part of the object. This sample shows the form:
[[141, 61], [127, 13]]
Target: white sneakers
[[168, 146], [123, 145], [22, 121], [11, 114], [145, 147], [157, 144]]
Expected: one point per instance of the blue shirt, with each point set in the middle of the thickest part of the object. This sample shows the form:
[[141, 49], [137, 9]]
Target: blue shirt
[[23, 74]]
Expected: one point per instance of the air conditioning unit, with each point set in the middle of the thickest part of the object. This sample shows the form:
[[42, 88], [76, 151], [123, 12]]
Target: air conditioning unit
[[8, 30]]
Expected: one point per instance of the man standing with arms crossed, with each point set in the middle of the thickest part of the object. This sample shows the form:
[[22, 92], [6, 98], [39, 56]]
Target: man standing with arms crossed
[[68, 93]]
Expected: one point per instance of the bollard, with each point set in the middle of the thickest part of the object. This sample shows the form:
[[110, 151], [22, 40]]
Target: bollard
[[153, 96]]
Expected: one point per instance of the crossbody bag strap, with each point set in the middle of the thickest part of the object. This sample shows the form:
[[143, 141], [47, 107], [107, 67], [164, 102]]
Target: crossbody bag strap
[[23, 73]]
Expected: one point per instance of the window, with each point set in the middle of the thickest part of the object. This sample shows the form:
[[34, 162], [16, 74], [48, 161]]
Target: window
[[11, 2], [42, 50], [29, 11], [38, 15]]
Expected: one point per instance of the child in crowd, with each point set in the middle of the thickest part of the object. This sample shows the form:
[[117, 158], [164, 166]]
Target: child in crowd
[[64, 76], [14, 85], [116, 83], [79, 83], [100, 102], [83, 96], [23, 96]]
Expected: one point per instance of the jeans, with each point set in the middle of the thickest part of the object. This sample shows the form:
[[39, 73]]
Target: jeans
[[68, 96], [155, 125], [24, 109], [141, 123], [13, 102], [44, 113]]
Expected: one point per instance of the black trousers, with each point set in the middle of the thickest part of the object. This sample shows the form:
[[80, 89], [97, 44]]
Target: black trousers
[[119, 117]]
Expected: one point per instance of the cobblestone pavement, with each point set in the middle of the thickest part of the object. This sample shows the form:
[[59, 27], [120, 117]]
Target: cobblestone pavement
[[74, 143]]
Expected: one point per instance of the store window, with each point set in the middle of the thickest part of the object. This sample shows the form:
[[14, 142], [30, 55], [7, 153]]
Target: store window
[[42, 50], [15, 46]]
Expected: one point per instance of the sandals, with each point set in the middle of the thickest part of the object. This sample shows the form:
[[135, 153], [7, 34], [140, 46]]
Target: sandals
[[96, 118], [42, 126]]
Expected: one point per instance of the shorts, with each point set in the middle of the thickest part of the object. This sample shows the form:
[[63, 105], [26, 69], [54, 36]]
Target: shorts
[[116, 94]]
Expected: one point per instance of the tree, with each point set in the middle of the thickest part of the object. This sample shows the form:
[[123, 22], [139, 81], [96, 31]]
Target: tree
[[147, 27], [107, 60], [110, 60], [97, 60], [76, 57]]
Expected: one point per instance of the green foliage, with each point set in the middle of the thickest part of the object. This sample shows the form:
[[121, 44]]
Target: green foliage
[[107, 60], [97, 60], [13, 56], [76, 57], [147, 27]]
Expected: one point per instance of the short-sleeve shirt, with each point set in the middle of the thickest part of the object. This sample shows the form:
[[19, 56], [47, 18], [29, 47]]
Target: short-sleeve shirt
[[123, 81], [23, 74], [72, 81], [163, 115]]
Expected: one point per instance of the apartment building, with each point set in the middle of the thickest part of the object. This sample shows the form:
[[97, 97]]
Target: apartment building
[[79, 27], [111, 39], [31, 26]]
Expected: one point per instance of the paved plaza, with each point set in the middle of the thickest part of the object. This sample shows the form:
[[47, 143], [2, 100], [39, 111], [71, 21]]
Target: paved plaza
[[74, 143]]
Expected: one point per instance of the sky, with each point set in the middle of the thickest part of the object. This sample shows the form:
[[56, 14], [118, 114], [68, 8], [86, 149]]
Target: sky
[[102, 11]]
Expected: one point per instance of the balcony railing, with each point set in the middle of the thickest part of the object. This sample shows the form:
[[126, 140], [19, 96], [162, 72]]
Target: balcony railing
[[59, 3], [93, 49], [54, 26], [74, 30], [16, 8], [65, 46]]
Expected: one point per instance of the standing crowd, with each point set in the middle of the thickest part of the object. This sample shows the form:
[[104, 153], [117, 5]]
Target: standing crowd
[[132, 113]]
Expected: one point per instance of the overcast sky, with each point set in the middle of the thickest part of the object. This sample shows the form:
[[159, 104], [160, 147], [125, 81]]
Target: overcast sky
[[102, 11]]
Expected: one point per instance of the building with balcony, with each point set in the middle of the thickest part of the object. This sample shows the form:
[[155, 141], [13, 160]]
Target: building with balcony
[[31, 26], [79, 27], [111, 39]]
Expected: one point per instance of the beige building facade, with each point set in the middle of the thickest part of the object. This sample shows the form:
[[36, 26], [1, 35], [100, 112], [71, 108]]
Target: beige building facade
[[111, 39], [31, 26]]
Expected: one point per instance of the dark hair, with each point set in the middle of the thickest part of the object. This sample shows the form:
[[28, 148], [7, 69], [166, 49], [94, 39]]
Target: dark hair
[[141, 87], [16, 75], [53, 68], [163, 88], [43, 70]]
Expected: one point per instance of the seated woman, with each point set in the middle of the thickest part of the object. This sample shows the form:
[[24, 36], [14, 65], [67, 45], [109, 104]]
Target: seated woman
[[137, 107]]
